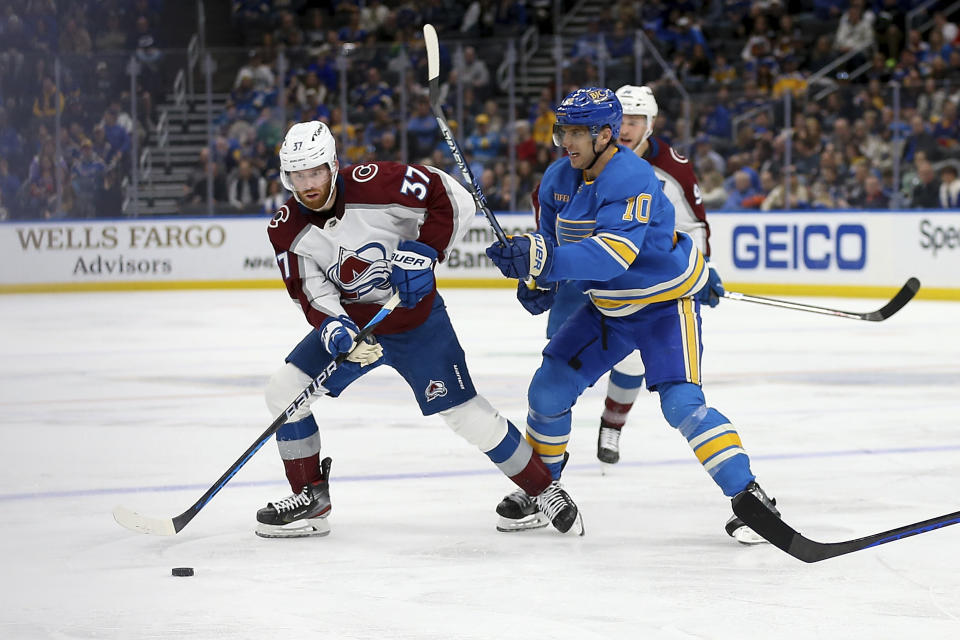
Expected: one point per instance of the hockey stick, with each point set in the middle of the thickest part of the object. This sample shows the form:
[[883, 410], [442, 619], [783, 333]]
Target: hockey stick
[[781, 535], [897, 302], [433, 74], [170, 526]]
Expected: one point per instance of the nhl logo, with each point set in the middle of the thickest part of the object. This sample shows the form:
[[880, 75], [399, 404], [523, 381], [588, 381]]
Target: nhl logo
[[436, 389]]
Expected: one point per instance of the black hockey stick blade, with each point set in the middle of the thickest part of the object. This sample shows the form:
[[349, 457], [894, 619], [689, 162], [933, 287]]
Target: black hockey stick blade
[[136, 521], [774, 530], [897, 302]]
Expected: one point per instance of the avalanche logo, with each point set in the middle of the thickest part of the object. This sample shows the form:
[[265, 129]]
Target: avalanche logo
[[436, 389], [359, 272]]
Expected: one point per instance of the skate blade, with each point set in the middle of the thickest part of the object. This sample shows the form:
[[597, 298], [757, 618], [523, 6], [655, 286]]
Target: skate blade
[[746, 535], [315, 528], [577, 528], [534, 521]]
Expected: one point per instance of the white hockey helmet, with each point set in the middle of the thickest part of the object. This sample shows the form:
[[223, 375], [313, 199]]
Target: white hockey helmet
[[308, 145], [639, 101]]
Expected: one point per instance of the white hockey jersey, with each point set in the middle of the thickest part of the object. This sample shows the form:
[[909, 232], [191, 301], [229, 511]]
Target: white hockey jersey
[[338, 262]]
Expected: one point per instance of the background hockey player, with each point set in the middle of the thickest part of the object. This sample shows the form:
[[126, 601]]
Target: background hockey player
[[679, 183], [343, 242], [606, 224]]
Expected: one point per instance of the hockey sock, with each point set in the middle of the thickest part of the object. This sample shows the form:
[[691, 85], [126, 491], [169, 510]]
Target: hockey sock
[[548, 435], [514, 456], [622, 391], [709, 433], [299, 444]]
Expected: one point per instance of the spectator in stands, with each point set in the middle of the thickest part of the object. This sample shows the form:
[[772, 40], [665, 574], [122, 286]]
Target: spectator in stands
[[778, 197], [368, 94], [117, 138], [723, 73], [87, 177], [422, 133], [277, 196], [485, 145], [245, 189], [874, 197], [926, 192], [475, 73], [744, 194], [526, 145], [705, 158], [854, 188], [855, 30], [46, 104], [713, 193], [587, 47], [949, 187], [264, 80], [946, 131], [11, 142], [543, 123], [247, 100], [111, 37]]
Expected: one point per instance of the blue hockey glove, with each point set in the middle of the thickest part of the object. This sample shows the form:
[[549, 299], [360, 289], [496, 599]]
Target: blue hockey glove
[[536, 300], [338, 335], [412, 273], [529, 255], [712, 291]]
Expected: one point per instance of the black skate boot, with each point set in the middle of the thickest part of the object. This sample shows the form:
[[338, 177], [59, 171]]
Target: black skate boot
[[301, 515], [555, 504], [518, 511], [738, 530], [608, 444]]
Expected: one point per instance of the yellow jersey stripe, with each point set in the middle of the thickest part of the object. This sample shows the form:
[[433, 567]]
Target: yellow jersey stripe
[[720, 458], [691, 341], [712, 447], [547, 449]]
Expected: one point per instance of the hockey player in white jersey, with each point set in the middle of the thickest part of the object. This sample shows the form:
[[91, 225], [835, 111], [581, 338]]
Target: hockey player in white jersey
[[344, 242]]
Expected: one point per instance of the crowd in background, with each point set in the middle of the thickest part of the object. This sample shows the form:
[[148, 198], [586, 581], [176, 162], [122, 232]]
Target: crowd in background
[[736, 59], [63, 87]]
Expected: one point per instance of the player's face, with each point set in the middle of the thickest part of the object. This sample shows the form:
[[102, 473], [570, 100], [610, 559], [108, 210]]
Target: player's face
[[313, 185], [578, 143], [632, 130]]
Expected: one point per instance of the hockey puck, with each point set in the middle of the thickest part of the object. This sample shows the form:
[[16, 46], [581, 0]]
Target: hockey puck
[[182, 571]]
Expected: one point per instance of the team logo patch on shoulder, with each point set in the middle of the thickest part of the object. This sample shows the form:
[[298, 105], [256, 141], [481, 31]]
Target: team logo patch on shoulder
[[436, 389], [282, 216], [365, 172], [561, 197]]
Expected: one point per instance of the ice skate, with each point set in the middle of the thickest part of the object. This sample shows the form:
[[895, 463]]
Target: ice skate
[[555, 503], [518, 512], [738, 530], [608, 444], [300, 515]]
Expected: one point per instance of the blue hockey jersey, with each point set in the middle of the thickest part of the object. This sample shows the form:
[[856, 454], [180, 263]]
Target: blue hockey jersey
[[616, 235]]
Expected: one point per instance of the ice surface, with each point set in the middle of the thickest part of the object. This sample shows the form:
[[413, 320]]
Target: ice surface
[[144, 399]]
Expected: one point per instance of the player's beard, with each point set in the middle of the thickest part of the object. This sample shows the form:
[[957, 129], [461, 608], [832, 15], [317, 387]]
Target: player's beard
[[319, 199]]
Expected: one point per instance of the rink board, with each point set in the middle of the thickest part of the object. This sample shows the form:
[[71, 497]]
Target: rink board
[[843, 253]]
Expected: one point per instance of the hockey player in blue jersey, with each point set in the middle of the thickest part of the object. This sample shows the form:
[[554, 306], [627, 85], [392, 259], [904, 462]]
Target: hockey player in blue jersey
[[606, 224]]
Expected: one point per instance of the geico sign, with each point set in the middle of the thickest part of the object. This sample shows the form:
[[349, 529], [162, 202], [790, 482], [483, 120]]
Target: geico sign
[[800, 246]]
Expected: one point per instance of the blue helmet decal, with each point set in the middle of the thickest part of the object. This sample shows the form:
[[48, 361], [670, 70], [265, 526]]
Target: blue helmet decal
[[592, 107]]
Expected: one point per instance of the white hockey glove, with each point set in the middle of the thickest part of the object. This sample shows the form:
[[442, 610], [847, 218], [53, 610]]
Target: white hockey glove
[[338, 335]]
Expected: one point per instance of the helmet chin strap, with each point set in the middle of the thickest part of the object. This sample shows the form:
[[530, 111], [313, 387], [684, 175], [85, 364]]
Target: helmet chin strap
[[596, 156]]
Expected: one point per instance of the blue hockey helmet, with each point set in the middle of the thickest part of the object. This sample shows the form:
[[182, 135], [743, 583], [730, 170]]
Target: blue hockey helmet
[[591, 107]]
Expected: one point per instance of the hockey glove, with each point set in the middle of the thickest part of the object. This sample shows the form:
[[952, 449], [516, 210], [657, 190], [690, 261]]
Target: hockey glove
[[529, 255], [412, 273], [536, 300], [338, 334], [712, 291]]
